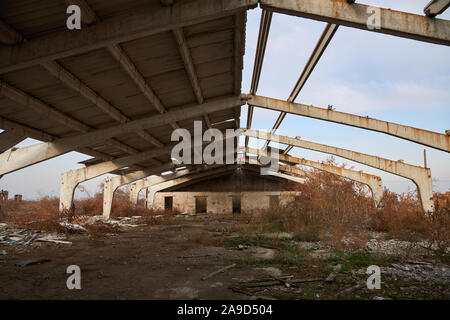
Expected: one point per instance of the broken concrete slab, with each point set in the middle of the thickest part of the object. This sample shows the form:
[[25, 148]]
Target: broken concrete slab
[[31, 262], [73, 226]]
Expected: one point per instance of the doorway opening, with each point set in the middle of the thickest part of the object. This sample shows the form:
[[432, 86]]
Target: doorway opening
[[236, 204], [200, 204], [168, 203]]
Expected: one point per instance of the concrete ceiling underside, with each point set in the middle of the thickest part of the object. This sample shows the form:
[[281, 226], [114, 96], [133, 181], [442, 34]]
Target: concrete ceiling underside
[[182, 66]]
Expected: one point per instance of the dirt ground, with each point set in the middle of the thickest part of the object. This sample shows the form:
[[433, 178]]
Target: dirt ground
[[168, 261]]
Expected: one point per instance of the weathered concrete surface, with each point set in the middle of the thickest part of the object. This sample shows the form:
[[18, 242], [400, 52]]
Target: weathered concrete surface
[[71, 179], [110, 185], [221, 202], [373, 182], [420, 176], [27, 156], [253, 189], [264, 28], [428, 138], [9, 139], [400, 24], [135, 24]]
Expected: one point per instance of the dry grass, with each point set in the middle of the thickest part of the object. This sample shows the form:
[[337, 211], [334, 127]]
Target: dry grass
[[328, 208], [331, 208], [41, 214]]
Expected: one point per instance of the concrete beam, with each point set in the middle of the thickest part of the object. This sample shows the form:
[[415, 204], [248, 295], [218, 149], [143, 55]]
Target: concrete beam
[[400, 24], [110, 185], [38, 106], [287, 177], [435, 7], [188, 63], [76, 84], [71, 179], [9, 139], [24, 157], [53, 113], [190, 68], [428, 138], [136, 187], [420, 176], [8, 35], [20, 129], [184, 180], [373, 182], [142, 22], [88, 15], [322, 44], [264, 28]]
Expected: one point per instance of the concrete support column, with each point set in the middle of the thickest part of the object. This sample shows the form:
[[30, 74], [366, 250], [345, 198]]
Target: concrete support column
[[376, 187], [108, 196], [287, 177], [424, 185], [135, 189], [151, 191]]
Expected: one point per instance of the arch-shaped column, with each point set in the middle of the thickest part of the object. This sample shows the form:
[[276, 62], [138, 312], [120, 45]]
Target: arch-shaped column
[[71, 179], [135, 189], [373, 182], [186, 179], [420, 176]]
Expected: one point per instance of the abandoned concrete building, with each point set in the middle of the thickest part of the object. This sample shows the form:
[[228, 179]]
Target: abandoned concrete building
[[241, 190], [116, 88]]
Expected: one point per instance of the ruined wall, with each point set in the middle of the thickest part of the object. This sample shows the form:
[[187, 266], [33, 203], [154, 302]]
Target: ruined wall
[[253, 189], [221, 202], [239, 180]]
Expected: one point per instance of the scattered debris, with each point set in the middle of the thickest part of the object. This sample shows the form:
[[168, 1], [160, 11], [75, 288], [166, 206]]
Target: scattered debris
[[355, 287], [334, 273], [419, 262], [272, 271], [31, 262], [279, 235], [401, 248], [53, 239], [262, 253], [218, 271], [198, 256], [276, 281], [439, 274], [72, 226], [18, 237], [381, 298], [242, 247]]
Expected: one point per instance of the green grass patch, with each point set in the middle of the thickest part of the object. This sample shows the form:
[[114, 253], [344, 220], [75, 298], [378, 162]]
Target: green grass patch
[[361, 259], [248, 241]]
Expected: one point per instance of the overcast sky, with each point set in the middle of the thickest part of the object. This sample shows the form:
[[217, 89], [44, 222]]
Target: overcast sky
[[361, 72]]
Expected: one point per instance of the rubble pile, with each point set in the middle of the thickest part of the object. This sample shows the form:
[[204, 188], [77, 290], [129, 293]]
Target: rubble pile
[[21, 237]]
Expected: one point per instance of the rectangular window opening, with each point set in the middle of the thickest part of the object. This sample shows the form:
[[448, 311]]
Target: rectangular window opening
[[236, 204]]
